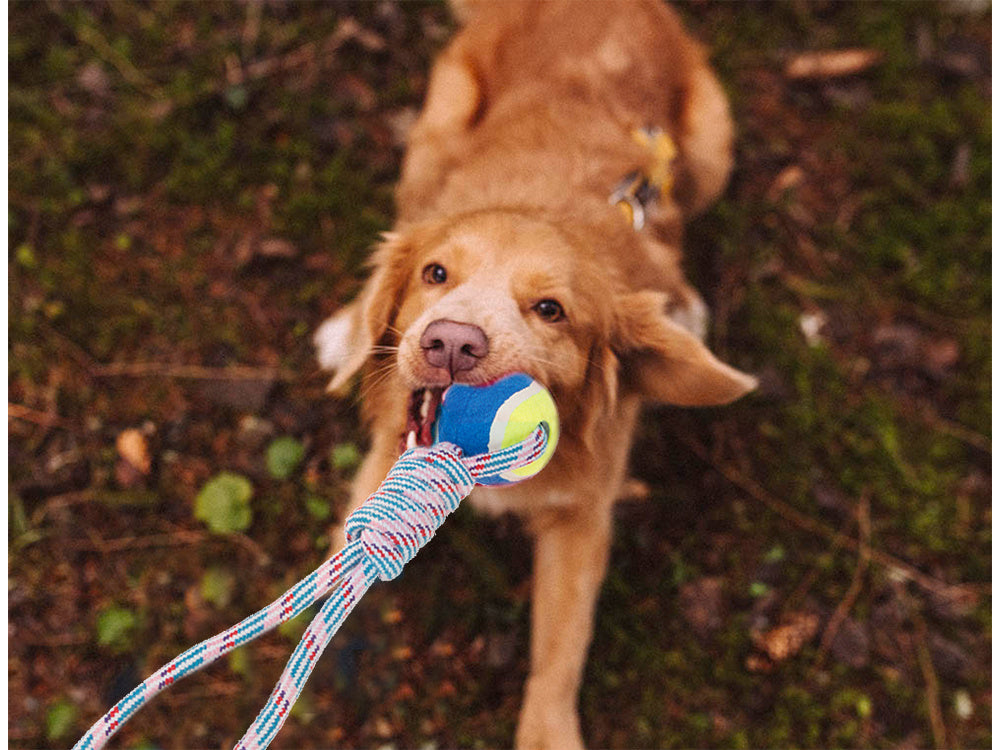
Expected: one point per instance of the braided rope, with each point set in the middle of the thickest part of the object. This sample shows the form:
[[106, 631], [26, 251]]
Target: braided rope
[[423, 487]]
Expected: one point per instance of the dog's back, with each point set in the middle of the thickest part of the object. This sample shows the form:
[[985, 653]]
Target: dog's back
[[556, 89]]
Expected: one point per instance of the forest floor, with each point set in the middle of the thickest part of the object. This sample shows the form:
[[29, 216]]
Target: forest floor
[[193, 188]]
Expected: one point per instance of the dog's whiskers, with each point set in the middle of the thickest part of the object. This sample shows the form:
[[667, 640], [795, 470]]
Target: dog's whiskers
[[376, 378]]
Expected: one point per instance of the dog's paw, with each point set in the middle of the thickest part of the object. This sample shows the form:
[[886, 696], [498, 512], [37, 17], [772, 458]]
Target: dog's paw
[[547, 724]]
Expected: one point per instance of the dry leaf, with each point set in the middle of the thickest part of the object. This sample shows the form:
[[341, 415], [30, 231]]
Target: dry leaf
[[787, 639], [831, 64], [788, 179], [274, 247], [134, 449]]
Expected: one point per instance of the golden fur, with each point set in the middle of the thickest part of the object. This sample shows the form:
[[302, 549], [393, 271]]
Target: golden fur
[[526, 129]]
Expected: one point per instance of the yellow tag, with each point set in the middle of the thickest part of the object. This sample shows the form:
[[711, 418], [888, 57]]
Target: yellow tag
[[626, 209], [663, 150]]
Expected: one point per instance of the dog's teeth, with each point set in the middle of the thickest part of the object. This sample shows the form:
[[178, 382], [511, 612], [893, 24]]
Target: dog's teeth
[[425, 407], [411, 440]]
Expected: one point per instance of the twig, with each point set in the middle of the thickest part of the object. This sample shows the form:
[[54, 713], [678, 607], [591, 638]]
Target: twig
[[174, 539], [249, 544], [810, 578], [76, 352], [193, 372], [165, 369], [56, 641], [796, 517], [954, 429], [241, 539], [90, 36], [932, 688], [64, 500], [42, 418], [864, 560]]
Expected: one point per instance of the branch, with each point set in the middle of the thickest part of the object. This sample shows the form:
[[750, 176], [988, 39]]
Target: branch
[[193, 372], [807, 523]]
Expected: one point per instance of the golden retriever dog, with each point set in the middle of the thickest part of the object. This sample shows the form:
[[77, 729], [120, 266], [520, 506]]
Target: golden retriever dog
[[540, 214]]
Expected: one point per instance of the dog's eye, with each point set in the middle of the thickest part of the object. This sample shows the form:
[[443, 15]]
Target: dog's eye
[[435, 273], [549, 310]]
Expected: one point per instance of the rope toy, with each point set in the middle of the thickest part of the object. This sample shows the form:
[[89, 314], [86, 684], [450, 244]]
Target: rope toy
[[423, 487]]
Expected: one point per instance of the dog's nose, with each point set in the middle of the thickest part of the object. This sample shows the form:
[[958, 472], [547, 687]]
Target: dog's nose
[[453, 346]]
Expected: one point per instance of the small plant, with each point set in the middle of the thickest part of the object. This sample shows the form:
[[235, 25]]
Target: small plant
[[284, 455], [59, 719], [224, 503], [345, 457], [115, 627]]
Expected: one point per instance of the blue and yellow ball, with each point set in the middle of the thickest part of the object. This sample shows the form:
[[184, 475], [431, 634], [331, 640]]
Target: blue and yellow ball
[[480, 419]]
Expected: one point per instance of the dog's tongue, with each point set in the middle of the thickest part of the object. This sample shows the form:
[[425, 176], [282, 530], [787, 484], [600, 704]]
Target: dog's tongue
[[420, 417]]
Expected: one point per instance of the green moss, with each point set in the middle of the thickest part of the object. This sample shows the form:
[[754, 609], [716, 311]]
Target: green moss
[[897, 239]]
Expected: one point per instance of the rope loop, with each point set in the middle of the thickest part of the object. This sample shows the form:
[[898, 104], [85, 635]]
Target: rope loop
[[423, 487]]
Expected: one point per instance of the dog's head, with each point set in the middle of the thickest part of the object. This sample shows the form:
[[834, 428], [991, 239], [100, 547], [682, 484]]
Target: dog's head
[[474, 299]]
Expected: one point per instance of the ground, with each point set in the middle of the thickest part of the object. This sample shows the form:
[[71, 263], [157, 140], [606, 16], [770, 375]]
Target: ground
[[193, 187]]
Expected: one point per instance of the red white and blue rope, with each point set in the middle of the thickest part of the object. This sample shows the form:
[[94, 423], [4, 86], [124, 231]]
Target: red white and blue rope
[[423, 487]]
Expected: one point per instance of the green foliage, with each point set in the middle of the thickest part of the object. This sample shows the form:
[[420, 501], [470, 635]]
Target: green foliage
[[293, 629], [318, 508], [59, 719], [115, 628], [217, 586], [224, 503], [345, 457], [284, 455], [128, 203], [239, 661], [25, 256]]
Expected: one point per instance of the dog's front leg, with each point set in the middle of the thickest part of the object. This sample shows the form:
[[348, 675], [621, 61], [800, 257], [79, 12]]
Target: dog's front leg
[[571, 555]]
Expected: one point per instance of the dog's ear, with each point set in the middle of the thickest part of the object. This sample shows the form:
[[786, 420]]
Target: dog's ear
[[345, 341], [663, 362]]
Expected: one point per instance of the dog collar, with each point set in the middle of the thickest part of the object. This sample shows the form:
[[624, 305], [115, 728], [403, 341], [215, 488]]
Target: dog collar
[[639, 188]]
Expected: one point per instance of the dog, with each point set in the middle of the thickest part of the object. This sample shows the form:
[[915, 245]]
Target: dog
[[541, 206]]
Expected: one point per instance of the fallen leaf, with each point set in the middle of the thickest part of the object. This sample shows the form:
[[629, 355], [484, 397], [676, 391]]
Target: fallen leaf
[[759, 663], [811, 324], [787, 639], [788, 178], [383, 728], [350, 30], [275, 247], [831, 64], [134, 449], [940, 356], [93, 79]]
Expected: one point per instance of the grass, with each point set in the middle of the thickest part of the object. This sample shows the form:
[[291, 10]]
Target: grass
[[157, 150]]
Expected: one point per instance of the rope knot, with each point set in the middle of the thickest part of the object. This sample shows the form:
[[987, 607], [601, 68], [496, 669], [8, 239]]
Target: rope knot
[[423, 487]]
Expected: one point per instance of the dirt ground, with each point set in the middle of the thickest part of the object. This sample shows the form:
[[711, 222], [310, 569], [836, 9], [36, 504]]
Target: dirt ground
[[193, 187]]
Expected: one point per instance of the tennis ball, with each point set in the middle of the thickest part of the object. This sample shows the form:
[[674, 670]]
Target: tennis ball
[[485, 418]]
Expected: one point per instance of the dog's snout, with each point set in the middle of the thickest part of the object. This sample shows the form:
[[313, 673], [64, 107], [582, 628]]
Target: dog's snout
[[453, 346]]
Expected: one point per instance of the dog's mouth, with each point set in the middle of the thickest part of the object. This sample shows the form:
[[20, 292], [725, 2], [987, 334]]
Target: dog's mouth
[[421, 412]]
